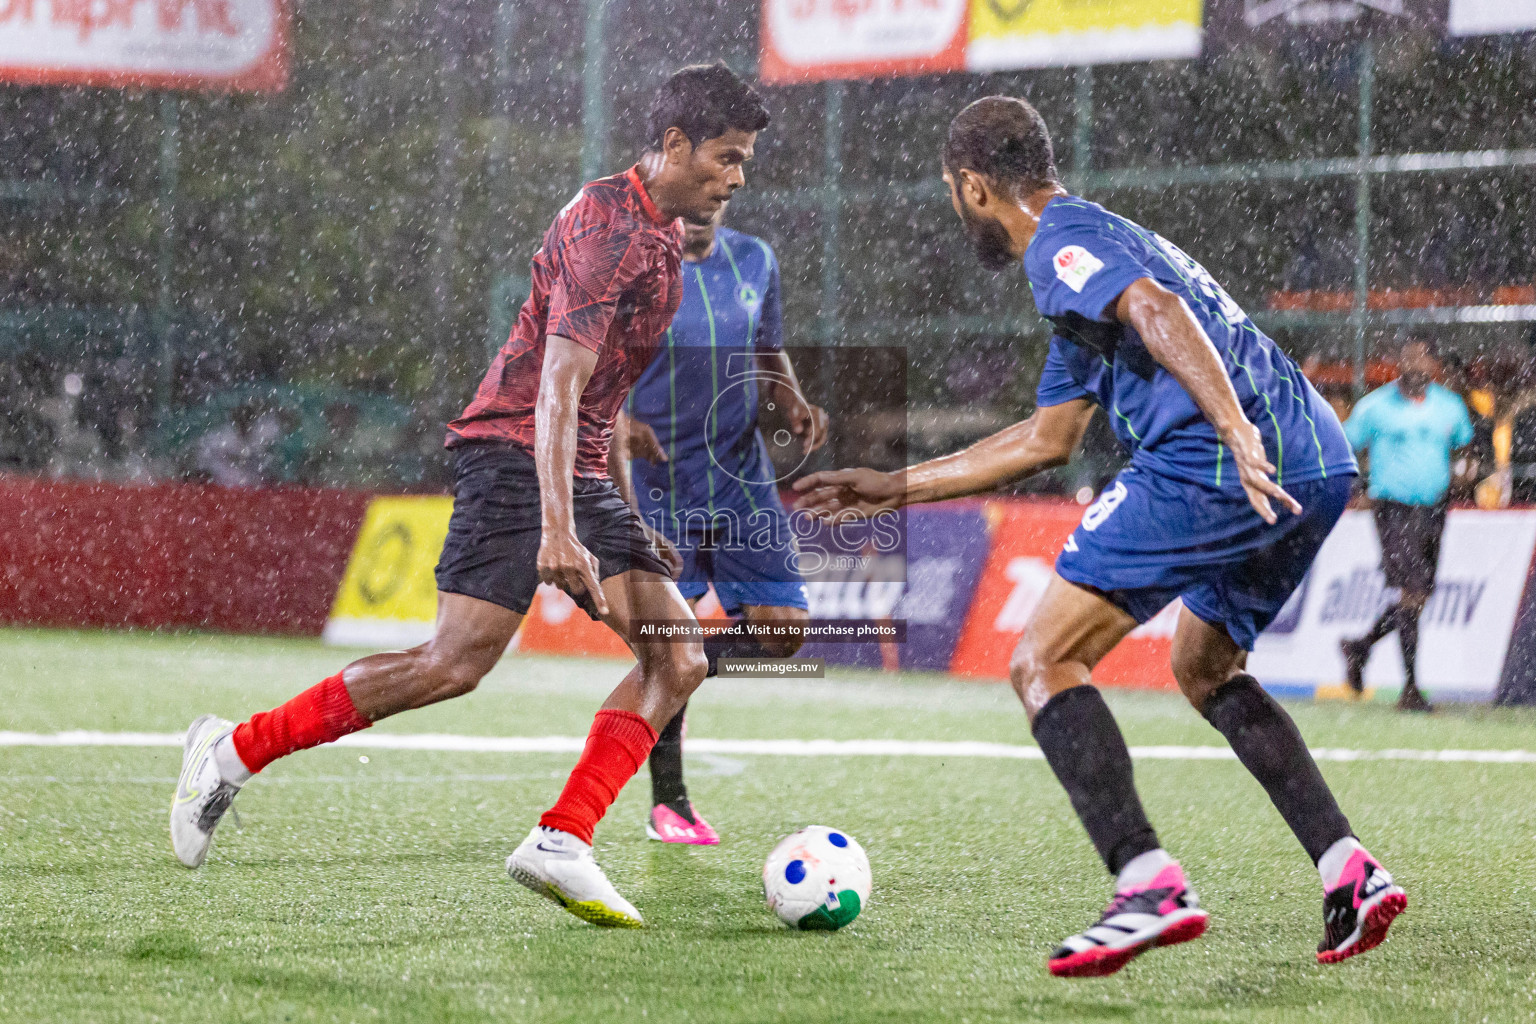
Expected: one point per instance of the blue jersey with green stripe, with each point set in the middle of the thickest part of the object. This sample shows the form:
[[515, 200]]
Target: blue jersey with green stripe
[[1080, 260], [700, 394]]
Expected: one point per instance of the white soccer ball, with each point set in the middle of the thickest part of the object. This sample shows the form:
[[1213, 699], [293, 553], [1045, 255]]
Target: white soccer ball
[[817, 879]]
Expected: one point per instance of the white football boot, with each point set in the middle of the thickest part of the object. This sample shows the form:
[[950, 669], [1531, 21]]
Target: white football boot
[[202, 794], [560, 867]]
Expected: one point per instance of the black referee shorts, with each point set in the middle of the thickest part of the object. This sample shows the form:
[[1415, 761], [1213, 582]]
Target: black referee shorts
[[1410, 543], [492, 548]]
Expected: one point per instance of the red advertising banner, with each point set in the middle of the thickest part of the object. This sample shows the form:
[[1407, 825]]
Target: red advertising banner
[[169, 555], [815, 40], [175, 44], [1025, 542]]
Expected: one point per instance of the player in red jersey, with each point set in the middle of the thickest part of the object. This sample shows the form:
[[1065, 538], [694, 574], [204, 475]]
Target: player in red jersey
[[533, 502]]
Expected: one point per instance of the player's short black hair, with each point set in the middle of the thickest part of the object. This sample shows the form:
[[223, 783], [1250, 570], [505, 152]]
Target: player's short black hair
[[1005, 139], [704, 101], [1428, 341]]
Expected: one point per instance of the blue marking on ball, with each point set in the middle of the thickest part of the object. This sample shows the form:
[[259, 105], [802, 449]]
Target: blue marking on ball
[[794, 872], [837, 839]]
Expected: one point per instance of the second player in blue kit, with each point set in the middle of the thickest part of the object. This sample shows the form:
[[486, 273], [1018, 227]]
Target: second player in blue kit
[[703, 476]]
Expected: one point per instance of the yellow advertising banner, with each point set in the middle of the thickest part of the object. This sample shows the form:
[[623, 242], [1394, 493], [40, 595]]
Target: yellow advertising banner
[[1038, 33], [388, 596]]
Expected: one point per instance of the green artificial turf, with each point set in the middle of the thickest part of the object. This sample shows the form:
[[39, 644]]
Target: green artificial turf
[[362, 891]]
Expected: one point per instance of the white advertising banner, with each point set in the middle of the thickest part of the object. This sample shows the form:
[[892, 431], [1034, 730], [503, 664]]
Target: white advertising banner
[[1464, 632], [1487, 17], [196, 44], [819, 39]]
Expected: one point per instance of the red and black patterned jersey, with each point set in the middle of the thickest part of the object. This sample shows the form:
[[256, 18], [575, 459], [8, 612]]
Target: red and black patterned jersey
[[608, 277]]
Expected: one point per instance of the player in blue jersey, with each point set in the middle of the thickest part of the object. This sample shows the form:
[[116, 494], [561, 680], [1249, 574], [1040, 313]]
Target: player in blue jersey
[[1221, 427], [702, 476]]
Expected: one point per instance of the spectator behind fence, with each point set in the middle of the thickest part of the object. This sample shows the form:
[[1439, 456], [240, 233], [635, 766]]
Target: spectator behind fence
[[1410, 428], [26, 435], [357, 451], [239, 453], [1509, 430], [1319, 263]]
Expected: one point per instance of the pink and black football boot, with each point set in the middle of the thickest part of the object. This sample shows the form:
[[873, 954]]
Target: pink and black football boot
[[1163, 912], [1358, 910], [667, 825]]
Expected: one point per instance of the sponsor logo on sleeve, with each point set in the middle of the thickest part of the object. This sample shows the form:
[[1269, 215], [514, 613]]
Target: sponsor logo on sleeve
[[1075, 265]]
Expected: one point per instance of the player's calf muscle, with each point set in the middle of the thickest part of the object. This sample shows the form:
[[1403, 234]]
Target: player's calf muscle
[[456, 674], [657, 688], [1036, 679], [1070, 631], [674, 674], [387, 684], [1204, 659], [1198, 685], [448, 666], [786, 646]]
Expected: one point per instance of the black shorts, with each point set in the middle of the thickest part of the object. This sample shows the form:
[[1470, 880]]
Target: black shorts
[[1410, 543], [492, 548]]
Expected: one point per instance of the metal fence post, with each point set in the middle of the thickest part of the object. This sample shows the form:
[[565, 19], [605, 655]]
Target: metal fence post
[[165, 250], [594, 101], [1082, 137], [831, 212], [446, 187], [499, 159], [1367, 77], [501, 103]]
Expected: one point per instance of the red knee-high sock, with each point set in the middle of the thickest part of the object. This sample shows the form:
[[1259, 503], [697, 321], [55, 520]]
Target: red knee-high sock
[[617, 746], [320, 714]]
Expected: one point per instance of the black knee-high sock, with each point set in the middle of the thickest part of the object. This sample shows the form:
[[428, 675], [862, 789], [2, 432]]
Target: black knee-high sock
[[1408, 639], [1385, 623], [1084, 748], [667, 766], [1271, 748], [667, 785]]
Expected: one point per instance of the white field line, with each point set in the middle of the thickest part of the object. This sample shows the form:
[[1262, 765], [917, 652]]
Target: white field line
[[775, 748]]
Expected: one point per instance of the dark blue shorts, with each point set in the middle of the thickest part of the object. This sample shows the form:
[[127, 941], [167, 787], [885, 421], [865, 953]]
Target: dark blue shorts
[[738, 537], [1149, 539]]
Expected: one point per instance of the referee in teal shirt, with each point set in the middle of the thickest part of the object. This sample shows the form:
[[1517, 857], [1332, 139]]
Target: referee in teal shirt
[[1411, 429]]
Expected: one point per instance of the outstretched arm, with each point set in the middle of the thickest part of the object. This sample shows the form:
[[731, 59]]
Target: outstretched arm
[[1179, 344], [1047, 439]]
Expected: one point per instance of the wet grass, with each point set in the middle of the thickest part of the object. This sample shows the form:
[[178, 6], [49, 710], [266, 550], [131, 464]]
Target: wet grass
[[360, 891]]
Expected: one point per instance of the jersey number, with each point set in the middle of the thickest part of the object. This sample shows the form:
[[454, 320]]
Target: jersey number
[[1201, 279], [1104, 507]]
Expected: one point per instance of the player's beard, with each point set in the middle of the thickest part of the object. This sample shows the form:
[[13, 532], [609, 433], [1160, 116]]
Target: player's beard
[[989, 240]]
